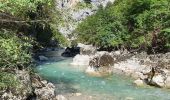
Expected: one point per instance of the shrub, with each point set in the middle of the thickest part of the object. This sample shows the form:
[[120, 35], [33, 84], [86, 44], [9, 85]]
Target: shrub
[[128, 23], [14, 52], [8, 80]]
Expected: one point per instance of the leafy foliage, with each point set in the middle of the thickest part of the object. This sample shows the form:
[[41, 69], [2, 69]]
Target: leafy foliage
[[128, 23], [37, 17], [14, 52], [8, 80], [21, 8]]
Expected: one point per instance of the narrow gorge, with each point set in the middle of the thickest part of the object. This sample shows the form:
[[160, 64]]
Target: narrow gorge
[[84, 50]]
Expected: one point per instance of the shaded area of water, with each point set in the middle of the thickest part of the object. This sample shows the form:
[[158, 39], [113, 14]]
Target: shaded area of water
[[72, 79]]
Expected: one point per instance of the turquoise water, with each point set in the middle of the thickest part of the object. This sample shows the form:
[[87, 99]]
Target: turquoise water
[[73, 79]]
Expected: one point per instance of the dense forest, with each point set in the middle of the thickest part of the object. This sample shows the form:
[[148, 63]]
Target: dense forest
[[130, 24]]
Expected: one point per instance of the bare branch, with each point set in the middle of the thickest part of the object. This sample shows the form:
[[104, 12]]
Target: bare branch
[[21, 21]]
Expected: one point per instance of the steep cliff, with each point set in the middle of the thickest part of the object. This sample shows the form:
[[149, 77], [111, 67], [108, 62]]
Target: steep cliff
[[74, 11]]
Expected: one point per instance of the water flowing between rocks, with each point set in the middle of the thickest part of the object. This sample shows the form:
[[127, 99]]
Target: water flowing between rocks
[[70, 79]]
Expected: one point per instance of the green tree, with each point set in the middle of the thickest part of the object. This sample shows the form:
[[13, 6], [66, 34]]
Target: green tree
[[128, 23]]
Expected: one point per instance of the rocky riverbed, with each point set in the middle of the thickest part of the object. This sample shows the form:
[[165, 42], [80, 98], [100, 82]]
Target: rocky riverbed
[[153, 69], [30, 87]]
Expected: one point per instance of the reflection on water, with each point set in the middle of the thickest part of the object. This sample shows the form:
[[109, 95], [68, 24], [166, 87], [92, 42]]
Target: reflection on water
[[72, 79]]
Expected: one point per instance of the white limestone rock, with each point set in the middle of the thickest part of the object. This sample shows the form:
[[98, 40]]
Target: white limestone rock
[[139, 82], [81, 60], [158, 80]]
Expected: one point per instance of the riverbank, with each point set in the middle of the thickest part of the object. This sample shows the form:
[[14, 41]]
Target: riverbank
[[29, 86], [150, 69], [73, 83]]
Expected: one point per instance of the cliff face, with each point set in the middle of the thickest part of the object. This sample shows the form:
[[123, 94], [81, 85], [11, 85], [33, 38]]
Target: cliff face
[[74, 11]]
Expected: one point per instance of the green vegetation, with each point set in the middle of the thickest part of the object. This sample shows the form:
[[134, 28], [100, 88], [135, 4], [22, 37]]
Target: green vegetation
[[14, 51], [131, 24], [25, 25], [8, 80], [35, 17], [81, 5]]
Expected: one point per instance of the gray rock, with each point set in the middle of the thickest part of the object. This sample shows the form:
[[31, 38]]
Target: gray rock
[[46, 93], [43, 58], [73, 16], [22, 91]]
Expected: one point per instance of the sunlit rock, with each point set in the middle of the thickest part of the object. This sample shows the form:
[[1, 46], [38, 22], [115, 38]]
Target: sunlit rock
[[139, 82], [61, 97], [45, 93], [90, 69], [129, 65], [158, 80], [81, 60], [78, 94], [167, 82]]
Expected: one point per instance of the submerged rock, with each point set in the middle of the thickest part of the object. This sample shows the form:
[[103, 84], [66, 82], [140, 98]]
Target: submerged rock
[[43, 58]]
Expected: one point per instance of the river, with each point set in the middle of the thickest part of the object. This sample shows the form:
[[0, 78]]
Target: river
[[70, 79]]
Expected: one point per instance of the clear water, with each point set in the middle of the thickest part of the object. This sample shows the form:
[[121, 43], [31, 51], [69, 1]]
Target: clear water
[[72, 79]]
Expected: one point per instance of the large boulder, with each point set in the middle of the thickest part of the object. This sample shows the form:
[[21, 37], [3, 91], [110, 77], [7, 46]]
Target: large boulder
[[102, 59], [100, 64]]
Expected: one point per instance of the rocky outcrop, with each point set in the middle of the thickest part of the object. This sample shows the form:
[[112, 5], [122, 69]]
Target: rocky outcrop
[[43, 90], [23, 89], [151, 69], [72, 14], [45, 93], [30, 87]]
